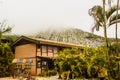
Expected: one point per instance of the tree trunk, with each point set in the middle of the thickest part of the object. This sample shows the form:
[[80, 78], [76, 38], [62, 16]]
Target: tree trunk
[[105, 36], [105, 31], [104, 25], [116, 23]]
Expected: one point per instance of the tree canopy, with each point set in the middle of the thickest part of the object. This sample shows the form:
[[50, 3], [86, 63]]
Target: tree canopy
[[6, 54]]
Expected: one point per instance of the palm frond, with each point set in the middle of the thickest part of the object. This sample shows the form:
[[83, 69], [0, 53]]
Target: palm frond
[[95, 27], [111, 10], [97, 14], [113, 20]]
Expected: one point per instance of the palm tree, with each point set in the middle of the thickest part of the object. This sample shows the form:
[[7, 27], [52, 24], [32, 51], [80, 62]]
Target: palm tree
[[99, 16], [103, 18], [104, 24], [116, 25]]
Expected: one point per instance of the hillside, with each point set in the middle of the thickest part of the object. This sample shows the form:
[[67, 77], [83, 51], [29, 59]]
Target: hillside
[[67, 35], [72, 35]]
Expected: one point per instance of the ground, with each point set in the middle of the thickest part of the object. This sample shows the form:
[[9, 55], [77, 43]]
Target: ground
[[37, 78], [8, 78]]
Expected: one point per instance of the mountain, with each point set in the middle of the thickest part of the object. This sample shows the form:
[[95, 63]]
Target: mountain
[[73, 36]]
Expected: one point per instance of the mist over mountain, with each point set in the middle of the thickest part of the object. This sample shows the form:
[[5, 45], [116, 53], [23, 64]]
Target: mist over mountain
[[71, 35]]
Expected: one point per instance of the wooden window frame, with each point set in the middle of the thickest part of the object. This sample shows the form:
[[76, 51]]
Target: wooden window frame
[[39, 65], [55, 48], [44, 51], [50, 49], [42, 64]]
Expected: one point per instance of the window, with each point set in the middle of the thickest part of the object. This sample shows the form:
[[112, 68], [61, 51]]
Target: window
[[27, 66], [38, 64], [18, 66], [44, 49], [39, 48], [60, 49], [50, 49], [55, 50], [43, 65]]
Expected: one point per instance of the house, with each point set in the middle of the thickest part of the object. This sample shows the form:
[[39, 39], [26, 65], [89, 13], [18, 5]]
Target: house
[[37, 54]]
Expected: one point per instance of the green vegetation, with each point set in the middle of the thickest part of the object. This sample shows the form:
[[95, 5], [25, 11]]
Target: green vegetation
[[10, 38], [92, 63], [105, 18], [48, 73], [6, 57], [6, 54]]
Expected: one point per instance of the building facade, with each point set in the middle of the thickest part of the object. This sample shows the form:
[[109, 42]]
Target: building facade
[[37, 54]]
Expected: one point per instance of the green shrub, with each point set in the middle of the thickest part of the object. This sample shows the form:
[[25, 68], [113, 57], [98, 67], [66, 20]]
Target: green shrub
[[42, 74], [52, 72], [48, 73]]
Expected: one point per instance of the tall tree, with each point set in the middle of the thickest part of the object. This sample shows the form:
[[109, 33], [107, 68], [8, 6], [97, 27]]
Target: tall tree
[[116, 22], [103, 18], [6, 55], [104, 24]]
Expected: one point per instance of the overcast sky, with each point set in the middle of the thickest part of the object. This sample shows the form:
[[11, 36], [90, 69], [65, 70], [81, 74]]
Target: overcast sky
[[30, 16]]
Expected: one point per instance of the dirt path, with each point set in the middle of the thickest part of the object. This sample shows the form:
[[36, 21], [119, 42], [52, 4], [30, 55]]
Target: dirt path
[[37, 78], [8, 78]]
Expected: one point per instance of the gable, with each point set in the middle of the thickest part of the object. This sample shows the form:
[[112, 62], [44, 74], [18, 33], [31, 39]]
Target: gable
[[23, 40]]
